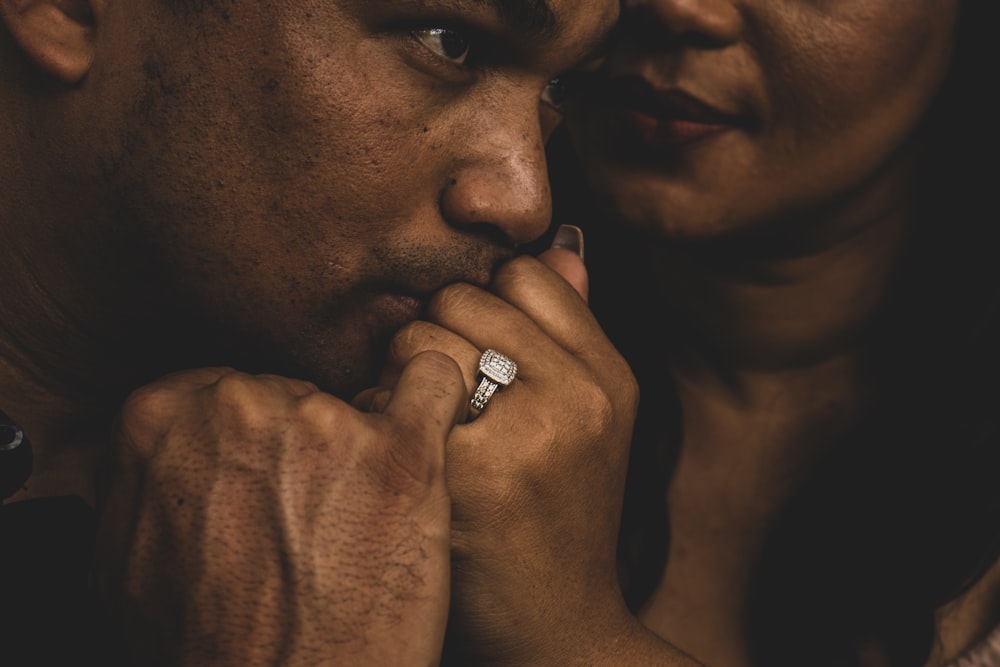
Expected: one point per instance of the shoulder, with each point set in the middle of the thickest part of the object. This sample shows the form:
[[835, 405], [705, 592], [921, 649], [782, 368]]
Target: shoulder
[[967, 629]]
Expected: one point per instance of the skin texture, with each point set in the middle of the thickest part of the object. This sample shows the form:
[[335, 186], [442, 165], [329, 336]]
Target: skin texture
[[234, 170], [206, 188], [807, 135], [255, 520], [525, 540], [772, 245], [284, 187]]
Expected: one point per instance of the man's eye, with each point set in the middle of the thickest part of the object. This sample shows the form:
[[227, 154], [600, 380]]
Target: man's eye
[[449, 44], [554, 94]]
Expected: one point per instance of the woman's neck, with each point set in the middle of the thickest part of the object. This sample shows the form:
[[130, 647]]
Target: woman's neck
[[757, 334], [767, 351], [790, 300]]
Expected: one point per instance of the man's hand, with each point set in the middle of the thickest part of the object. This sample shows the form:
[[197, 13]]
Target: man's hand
[[254, 520]]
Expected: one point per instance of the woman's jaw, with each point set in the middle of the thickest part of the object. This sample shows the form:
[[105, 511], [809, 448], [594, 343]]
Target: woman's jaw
[[692, 132]]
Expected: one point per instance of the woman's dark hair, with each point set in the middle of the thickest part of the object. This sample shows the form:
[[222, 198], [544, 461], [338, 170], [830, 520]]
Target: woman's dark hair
[[904, 514]]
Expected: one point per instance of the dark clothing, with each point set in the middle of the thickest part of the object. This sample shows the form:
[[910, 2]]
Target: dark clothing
[[49, 616]]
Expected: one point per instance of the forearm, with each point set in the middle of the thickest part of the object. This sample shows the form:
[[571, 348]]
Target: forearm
[[617, 639], [629, 645]]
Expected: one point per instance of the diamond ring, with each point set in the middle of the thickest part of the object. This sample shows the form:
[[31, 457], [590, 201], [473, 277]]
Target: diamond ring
[[497, 370]]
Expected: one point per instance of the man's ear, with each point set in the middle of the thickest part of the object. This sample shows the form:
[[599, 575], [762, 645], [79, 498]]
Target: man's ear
[[57, 35]]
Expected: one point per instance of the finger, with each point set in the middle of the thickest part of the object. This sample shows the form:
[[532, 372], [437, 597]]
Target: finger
[[194, 378], [372, 400], [420, 336], [569, 265], [565, 257], [428, 401], [551, 303], [530, 311], [488, 322], [292, 386]]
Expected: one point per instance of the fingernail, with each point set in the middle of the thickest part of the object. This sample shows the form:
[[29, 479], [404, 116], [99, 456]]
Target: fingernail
[[569, 238]]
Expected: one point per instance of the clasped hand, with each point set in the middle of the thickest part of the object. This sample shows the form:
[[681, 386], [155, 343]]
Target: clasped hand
[[256, 520]]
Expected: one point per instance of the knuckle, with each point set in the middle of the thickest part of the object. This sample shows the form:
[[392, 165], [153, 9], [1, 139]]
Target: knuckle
[[518, 267], [377, 399], [437, 367], [402, 465], [599, 408], [146, 401], [245, 400], [293, 385], [235, 387], [144, 419], [454, 297], [516, 275], [628, 391], [412, 338], [320, 411], [234, 405]]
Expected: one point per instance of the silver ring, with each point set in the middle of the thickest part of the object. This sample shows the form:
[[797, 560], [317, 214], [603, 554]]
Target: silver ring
[[497, 370]]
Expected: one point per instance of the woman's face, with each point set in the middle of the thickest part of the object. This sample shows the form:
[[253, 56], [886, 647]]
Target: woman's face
[[737, 115]]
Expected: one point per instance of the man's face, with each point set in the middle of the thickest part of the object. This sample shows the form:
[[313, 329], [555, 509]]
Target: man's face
[[295, 177]]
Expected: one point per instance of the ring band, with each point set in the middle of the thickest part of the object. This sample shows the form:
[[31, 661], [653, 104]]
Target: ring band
[[497, 370]]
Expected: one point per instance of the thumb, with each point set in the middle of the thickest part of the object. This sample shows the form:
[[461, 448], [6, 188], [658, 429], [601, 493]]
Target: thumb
[[429, 399], [565, 257]]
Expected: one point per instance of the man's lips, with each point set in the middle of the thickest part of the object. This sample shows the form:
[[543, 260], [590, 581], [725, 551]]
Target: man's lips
[[403, 308], [407, 283], [395, 306]]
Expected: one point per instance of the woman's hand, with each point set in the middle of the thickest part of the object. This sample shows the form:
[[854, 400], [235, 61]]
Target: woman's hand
[[254, 520], [537, 479]]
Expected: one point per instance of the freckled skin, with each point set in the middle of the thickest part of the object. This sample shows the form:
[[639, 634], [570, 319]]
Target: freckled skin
[[258, 177], [304, 218], [244, 185]]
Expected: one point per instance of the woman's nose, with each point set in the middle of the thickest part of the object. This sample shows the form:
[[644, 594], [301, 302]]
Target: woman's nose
[[706, 22]]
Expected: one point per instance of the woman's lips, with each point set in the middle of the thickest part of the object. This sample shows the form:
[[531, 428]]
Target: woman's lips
[[666, 133], [666, 119]]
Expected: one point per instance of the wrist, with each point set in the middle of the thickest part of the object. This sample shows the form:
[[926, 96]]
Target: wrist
[[617, 639]]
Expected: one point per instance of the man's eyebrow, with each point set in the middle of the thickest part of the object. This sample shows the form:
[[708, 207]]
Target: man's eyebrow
[[534, 16]]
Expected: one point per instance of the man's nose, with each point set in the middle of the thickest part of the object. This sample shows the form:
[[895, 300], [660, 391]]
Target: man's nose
[[502, 178], [705, 22]]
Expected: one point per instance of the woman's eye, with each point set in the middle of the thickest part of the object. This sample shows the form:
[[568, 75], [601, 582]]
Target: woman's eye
[[554, 94], [449, 44]]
